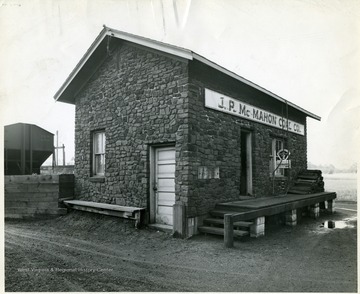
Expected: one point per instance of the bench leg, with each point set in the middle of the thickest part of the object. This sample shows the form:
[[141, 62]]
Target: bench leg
[[330, 206], [258, 228], [137, 219], [314, 210], [290, 217]]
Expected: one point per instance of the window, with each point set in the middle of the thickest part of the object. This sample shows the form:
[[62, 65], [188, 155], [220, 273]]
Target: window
[[276, 164], [98, 165]]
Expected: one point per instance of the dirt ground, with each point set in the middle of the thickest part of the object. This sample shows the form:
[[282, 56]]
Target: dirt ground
[[87, 252]]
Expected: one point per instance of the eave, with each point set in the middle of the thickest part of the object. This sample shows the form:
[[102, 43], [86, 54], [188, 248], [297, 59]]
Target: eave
[[97, 52]]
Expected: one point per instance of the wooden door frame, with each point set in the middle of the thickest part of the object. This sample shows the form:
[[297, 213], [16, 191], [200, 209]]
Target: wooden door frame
[[152, 178], [249, 168]]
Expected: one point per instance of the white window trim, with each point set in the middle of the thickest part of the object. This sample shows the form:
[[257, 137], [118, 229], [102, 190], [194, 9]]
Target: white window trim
[[280, 172], [94, 172]]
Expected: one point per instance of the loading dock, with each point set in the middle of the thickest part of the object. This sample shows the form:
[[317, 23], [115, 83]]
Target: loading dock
[[255, 210]]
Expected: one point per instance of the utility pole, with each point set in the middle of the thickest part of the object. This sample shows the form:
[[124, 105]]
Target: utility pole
[[57, 148], [63, 148]]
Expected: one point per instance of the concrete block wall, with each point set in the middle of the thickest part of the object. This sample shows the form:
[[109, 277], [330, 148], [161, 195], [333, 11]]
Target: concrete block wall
[[32, 196]]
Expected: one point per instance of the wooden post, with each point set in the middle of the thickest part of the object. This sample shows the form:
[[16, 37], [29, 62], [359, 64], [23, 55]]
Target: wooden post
[[31, 149], [63, 148], [57, 146], [137, 216], [23, 153], [228, 231]]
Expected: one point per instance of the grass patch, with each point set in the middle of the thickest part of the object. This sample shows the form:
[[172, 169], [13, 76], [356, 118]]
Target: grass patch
[[344, 184]]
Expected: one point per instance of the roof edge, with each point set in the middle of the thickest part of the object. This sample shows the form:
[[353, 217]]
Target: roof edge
[[252, 84], [164, 47], [106, 31], [173, 50], [81, 63]]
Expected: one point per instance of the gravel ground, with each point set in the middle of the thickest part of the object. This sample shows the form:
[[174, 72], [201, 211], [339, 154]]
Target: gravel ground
[[88, 252]]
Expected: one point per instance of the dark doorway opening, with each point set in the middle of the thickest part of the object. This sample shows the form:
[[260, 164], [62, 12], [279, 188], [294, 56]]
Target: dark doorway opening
[[246, 164]]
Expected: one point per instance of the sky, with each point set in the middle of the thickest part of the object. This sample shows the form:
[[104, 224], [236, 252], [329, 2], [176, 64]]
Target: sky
[[304, 51]]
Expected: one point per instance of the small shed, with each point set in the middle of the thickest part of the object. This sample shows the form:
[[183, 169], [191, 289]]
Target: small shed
[[165, 129]]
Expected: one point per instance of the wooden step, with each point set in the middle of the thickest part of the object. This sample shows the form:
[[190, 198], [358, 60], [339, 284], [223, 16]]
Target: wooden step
[[218, 212], [230, 208], [220, 221], [220, 231]]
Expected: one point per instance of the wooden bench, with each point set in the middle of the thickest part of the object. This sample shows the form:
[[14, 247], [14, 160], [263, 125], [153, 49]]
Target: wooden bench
[[108, 209]]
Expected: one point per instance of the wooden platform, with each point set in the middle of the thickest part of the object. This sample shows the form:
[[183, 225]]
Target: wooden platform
[[294, 199], [250, 214]]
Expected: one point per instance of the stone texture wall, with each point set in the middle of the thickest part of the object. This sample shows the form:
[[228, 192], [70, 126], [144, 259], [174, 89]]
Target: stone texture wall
[[139, 97], [215, 141]]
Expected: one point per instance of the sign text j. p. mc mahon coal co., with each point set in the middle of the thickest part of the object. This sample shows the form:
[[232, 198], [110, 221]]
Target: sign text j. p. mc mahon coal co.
[[235, 107]]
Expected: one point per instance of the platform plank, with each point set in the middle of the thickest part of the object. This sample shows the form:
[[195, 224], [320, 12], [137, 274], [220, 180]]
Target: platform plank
[[259, 203], [284, 206]]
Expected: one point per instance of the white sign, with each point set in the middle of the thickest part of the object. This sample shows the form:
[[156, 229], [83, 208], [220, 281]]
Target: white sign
[[283, 163], [235, 107]]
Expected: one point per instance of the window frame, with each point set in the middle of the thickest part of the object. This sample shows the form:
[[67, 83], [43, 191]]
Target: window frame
[[280, 172], [95, 155]]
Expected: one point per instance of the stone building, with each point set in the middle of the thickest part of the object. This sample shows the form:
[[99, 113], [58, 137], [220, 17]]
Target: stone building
[[163, 128]]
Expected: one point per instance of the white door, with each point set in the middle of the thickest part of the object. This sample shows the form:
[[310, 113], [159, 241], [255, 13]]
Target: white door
[[164, 185]]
